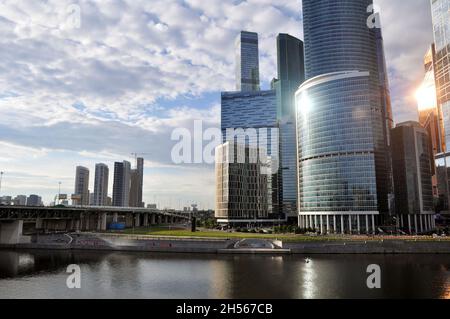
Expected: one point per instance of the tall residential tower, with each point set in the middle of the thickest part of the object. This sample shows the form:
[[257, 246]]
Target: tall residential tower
[[101, 185], [81, 186], [122, 184]]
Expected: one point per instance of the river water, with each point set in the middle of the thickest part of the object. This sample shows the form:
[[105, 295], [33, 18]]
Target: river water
[[42, 274]]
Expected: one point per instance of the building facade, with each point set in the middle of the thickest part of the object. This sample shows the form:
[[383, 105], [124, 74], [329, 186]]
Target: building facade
[[34, 200], [412, 162], [247, 62], [101, 185], [344, 171], [137, 182], [429, 114], [122, 184], [243, 186], [291, 73], [441, 26], [81, 186]]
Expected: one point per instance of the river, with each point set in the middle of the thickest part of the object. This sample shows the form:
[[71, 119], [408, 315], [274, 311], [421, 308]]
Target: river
[[43, 274]]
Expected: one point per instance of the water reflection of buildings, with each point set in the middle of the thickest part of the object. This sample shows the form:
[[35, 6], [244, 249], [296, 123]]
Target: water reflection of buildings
[[13, 264]]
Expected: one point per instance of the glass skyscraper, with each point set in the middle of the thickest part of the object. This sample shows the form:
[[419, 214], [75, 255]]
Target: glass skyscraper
[[344, 171], [252, 116], [441, 26], [247, 62], [412, 167], [441, 65], [291, 73]]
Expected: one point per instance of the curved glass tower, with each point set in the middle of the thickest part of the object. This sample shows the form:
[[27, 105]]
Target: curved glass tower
[[344, 170]]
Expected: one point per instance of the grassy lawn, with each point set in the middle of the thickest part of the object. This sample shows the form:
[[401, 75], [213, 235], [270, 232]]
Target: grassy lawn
[[166, 232]]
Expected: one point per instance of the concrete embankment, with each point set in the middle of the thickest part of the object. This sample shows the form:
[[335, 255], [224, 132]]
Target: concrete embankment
[[371, 247], [111, 242]]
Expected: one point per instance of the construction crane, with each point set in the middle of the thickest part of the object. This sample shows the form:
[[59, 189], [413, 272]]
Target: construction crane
[[136, 155]]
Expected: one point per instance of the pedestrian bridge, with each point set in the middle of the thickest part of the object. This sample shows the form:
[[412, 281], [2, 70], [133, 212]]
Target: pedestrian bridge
[[13, 218]]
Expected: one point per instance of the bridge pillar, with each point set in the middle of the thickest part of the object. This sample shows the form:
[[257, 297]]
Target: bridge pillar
[[11, 233], [115, 217], [159, 220], [129, 220], [77, 225], [145, 220], [86, 222], [137, 220], [153, 219], [39, 224], [166, 219], [101, 223]]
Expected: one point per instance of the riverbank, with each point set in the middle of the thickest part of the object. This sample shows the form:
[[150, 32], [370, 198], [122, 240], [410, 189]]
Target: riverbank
[[322, 245]]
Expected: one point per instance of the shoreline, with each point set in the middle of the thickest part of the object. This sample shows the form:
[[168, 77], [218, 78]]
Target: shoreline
[[126, 243]]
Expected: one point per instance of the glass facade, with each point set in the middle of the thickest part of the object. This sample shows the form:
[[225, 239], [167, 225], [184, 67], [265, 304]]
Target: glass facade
[[441, 23], [344, 167], [337, 171], [443, 179], [242, 186], [412, 169], [253, 118], [247, 62], [291, 73], [441, 26]]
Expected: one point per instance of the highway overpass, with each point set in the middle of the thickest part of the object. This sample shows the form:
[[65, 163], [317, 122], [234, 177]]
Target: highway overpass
[[13, 218]]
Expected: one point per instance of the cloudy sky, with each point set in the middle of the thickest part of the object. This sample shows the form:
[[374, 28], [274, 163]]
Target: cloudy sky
[[135, 70]]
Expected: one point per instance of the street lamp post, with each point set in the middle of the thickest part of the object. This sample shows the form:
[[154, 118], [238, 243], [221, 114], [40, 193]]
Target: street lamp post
[[59, 192], [1, 177]]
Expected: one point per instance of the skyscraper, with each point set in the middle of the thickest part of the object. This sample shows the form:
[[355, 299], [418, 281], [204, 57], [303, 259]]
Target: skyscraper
[[101, 185], [249, 122], [441, 26], [247, 62], [122, 184], [440, 59], [411, 161], [81, 186], [137, 180], [252, 116], [344, 173], [241, 185], [429, 112], [291, 73]]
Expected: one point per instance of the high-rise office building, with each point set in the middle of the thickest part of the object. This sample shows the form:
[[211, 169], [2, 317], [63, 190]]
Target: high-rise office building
[[101, 185], [81, 186], [242, 186], [252, 116], [137, 181], [122, 184], [411, 161], [249, 121], [247, 62], [291, 73], [429, 115], [344, 172], [441, 26]]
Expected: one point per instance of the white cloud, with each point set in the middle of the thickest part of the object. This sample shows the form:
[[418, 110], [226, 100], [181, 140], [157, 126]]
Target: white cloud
[[119, 84]]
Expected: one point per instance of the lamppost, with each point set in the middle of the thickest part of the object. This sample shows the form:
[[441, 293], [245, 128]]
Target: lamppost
[[1, 177], [59, 192]]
